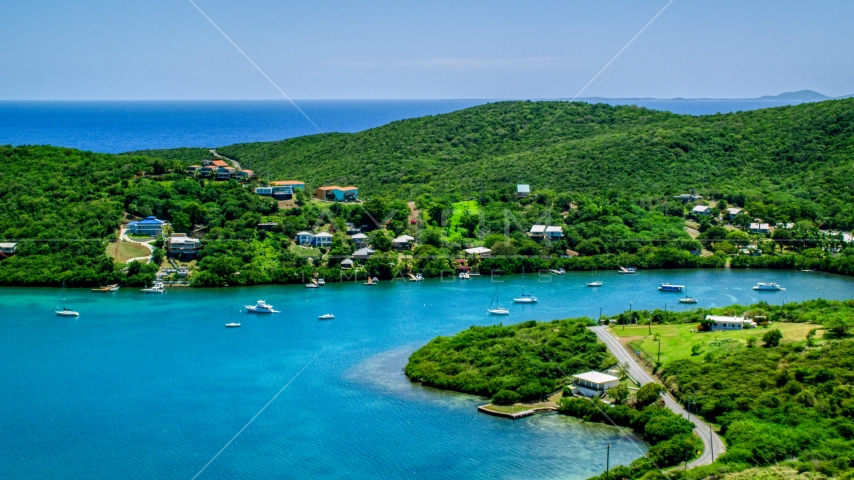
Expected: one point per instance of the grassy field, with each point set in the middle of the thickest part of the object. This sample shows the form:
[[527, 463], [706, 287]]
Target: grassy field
[[121, 252], [460, 209], [677, 340]]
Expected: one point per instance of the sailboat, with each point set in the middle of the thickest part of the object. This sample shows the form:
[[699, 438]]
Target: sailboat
[[496, 310], [525, 298], [686, 298], [66, 312]]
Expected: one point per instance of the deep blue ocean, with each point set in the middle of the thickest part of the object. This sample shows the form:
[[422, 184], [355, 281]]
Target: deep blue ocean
[[116, 127], [153, 386]]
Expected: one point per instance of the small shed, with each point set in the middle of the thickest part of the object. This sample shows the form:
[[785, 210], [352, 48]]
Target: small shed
[[701, 210], [523, 190], [346, 264]]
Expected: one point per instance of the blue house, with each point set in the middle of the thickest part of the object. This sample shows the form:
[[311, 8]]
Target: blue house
[[335, 193], [150, 226]]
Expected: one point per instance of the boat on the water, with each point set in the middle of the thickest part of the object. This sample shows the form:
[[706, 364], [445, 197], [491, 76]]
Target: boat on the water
[[627, 270], [558, 271], [807, 270], [669, 287], [464, 276], [597, 283], [232, 325], [372, 281], [260, 307], [768, 287], [106, 288], [327, 316], [497, 309], [525, 298], [156, 288], [312, 285], [67, 312], [321, 282], [686, 298]]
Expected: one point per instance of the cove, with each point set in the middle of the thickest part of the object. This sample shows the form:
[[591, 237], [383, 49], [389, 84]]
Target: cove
[[143, 386]]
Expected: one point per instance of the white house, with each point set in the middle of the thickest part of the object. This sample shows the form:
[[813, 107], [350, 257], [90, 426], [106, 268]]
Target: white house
[[346, 264], [593, 383], [482, 251], [360, 239], [305, 238], [701, 210], [403, 241], [760, 228], [733, 212], [149, 226], [180, 245], [523, 190], [323, 239], [730, 323], [8, 248], [554, 232], [363, 253]]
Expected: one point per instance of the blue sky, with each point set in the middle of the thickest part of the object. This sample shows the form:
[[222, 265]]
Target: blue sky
[[165, 49]]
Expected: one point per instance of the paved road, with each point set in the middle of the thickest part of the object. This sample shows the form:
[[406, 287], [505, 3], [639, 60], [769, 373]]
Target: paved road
[[235, 162], [714, 445]]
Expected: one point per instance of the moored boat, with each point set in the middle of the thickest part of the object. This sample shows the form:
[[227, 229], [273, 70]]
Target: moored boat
[[668, 287], [687, 300], [260, 307], [558, 271], [497, 309], [327, 316], [156, 288], [627, 270], [67, 312], [312, 285], [768, 287], [321, 282], [372, 281], [525, 298], [106, 289], [232, 325], [464, 276], [597, 283]]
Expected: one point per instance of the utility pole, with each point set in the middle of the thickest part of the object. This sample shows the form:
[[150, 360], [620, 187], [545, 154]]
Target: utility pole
[[600, 313], [649, 323], [659, 352], [607, 462]]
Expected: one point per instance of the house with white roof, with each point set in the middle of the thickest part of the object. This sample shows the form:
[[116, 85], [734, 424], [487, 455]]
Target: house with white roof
[[180, 245], [346, 264], [591, 384], [363, 253], [7, 248], [149, 226], [720, 322], [523, 190], [403, 242], [360, 239], [701, 210], [551, 232], [733, 212], [481, 251], [760, 227], [305, 238], [323, 239]]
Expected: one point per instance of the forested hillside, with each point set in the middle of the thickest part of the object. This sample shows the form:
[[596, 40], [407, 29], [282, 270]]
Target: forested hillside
[[796, 157]]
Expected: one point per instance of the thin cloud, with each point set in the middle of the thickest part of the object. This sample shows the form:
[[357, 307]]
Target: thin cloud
[[459, 63]]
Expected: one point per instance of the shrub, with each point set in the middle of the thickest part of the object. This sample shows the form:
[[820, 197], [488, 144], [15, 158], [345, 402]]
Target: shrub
[[772, 337], [506, 397], [649, 393]]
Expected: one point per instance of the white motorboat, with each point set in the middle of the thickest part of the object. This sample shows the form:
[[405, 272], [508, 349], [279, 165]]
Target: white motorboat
[[156, 288], [106, 289], [232, 325], [260, 307], [327, 316], [525, 298], [67, 312], [464, 276], [558, 271], [418, 277], [312, 285], [321, 282], [496, 310], [597, 283], [668, 287], [768, 287], [626, 271]]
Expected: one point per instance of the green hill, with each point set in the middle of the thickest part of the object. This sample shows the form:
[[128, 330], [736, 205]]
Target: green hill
[[794, 157]]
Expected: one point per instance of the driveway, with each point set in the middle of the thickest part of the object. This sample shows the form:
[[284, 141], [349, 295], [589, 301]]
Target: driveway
[[713, 446], [124, 238]]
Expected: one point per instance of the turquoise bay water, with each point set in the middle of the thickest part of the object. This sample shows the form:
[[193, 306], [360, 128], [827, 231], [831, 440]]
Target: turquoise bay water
[[146, 386]]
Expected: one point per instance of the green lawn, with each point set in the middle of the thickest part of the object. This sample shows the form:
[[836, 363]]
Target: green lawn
[[677, 340], [123, 251], [460, 209]]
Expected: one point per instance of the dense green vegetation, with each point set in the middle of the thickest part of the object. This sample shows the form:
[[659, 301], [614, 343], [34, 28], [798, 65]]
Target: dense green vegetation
[[783, 164], [671, 436], [530, 359]]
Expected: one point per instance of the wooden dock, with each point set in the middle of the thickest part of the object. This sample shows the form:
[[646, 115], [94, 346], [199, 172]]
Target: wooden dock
[[513, 416]]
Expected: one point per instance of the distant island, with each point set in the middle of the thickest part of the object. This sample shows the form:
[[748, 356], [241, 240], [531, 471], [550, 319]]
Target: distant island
[[497, 188]]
